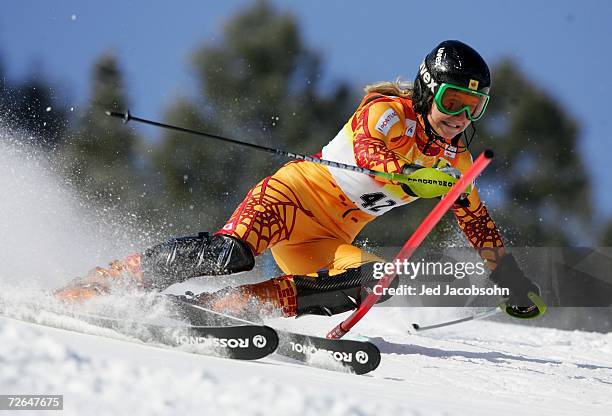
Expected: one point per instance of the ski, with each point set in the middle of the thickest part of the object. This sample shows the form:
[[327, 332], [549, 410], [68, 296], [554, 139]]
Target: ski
[[358, 357], [240, 342]]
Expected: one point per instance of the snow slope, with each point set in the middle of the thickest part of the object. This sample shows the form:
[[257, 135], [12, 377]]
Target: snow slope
[[477, 368], [49, 235]]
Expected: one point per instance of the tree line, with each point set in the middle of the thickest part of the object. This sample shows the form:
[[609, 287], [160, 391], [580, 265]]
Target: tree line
[[261, 83]]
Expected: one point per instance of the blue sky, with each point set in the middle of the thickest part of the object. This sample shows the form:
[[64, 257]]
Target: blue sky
[[562, 45]]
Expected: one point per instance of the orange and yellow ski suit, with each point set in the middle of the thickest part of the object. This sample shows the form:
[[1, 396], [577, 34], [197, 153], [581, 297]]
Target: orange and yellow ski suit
[[309, 215]]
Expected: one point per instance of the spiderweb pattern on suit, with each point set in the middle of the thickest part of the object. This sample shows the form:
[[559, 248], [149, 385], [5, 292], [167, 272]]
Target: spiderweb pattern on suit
[[266, 216], [372, 152], [480, 230]]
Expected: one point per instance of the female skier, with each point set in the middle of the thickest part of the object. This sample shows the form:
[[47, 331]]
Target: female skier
[[308, 215]]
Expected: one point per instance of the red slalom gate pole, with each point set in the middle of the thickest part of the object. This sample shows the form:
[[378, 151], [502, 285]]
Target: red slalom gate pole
[[415, 241]]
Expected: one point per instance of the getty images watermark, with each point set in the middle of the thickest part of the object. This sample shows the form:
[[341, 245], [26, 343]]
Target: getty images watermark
[[422, 269]]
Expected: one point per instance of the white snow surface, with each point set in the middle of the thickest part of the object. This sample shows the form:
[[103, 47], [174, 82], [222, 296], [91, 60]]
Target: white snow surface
[[476, 368], [50, 235]]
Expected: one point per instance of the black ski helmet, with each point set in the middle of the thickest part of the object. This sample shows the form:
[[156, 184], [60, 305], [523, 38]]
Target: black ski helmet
[[452, 62]]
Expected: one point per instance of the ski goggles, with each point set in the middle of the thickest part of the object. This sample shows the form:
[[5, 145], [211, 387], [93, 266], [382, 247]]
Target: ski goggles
[[452, 99]]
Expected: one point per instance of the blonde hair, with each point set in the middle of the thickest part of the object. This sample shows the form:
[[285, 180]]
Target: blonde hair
[[397, 88]]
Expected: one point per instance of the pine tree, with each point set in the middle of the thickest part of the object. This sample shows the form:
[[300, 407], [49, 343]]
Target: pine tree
[[542, 193], [33, 109], [101, 154], [606, 237], [258, 84]]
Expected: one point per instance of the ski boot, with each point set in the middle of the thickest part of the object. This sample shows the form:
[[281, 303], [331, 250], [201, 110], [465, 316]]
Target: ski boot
[[251, 301], [123, 273], [165, 264], [293, 295]]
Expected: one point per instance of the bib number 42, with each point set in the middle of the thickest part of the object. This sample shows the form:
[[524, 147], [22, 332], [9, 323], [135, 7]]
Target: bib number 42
[[372, 202]]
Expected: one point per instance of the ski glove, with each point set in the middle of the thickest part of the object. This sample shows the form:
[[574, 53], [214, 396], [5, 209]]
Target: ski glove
[[462, 201], [422, 182], [524, 301]]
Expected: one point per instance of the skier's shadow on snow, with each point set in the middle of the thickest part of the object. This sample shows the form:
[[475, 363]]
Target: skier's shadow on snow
[[495, 357]]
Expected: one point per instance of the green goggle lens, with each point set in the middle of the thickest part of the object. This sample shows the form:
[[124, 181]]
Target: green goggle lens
[[452, 99]]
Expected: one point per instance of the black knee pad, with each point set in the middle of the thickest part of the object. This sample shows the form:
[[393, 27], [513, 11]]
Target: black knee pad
[[329, 295], [179, 259]]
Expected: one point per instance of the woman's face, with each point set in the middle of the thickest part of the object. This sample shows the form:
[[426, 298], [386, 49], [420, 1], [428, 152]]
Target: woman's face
[[446, 125]]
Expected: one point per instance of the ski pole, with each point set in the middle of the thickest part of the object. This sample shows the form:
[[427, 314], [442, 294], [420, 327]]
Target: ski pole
[[397, 177], [480, 315], [415, 241]]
